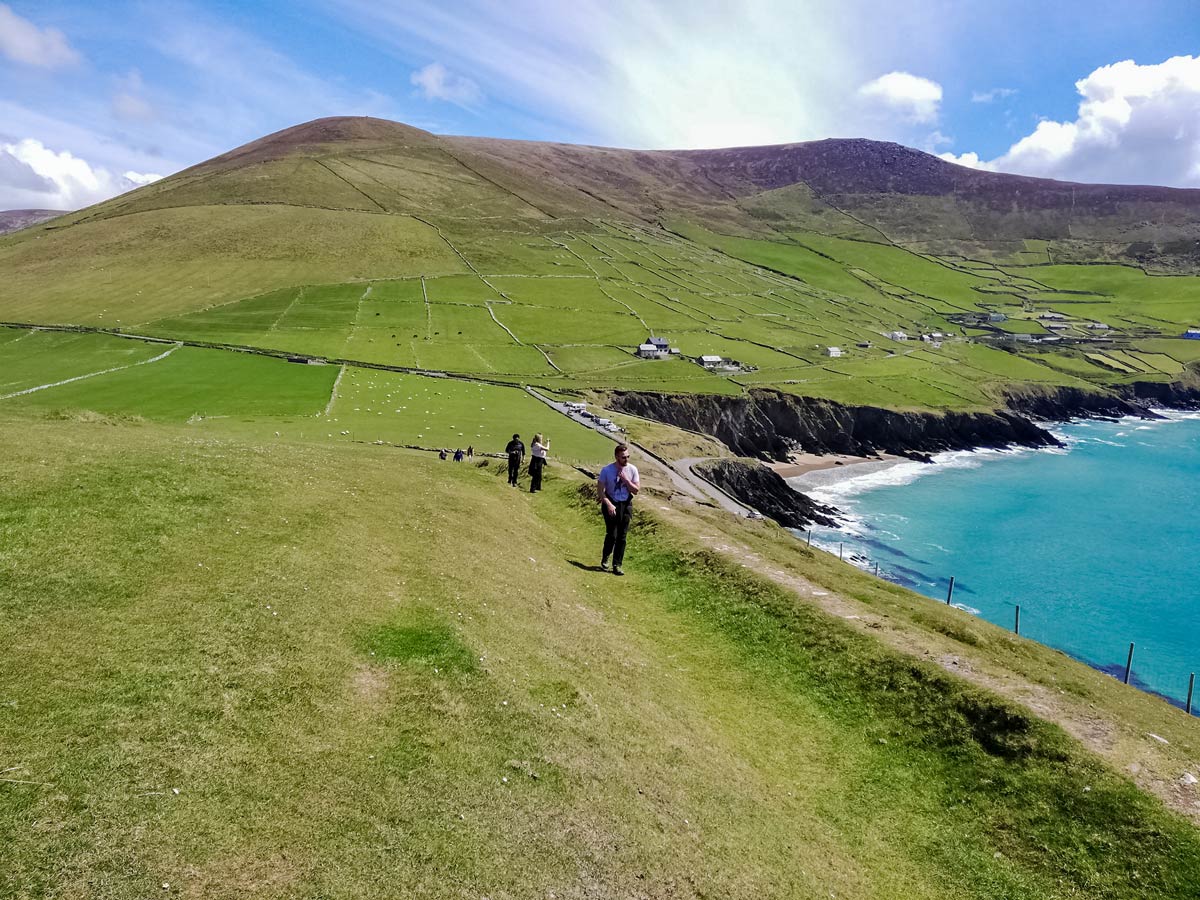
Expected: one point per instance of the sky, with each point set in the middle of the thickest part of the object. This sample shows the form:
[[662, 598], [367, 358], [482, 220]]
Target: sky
[[101, 96]]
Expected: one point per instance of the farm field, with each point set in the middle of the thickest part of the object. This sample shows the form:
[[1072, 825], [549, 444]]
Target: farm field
[[237, 393]]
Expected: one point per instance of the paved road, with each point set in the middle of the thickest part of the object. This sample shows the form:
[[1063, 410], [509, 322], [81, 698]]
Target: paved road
[[677, 474]]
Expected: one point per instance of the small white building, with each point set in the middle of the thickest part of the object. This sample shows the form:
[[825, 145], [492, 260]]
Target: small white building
[[997, 317], [1097, 326], [897, 335], [833, 351], [710, 362], [1192, 334], [655, 348], [1051, 316]]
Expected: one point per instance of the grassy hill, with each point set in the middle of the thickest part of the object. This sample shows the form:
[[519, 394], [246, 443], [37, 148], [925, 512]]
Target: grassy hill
[[243, 668], [546, 264]]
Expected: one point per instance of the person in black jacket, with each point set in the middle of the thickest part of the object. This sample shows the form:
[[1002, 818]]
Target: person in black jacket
[[516, 453]]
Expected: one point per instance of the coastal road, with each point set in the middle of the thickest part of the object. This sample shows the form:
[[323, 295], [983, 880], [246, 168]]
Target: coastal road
[[678, 475]]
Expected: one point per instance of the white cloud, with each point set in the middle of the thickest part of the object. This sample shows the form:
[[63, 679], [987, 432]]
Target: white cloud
[[913, 98], [1135, 125], [992, 95], [436, 82], [23, 42], [33, 175], [636, 74], [970, 160]]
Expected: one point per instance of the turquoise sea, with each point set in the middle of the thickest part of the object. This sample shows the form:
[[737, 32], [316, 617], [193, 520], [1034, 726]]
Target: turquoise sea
[[1099, 542]]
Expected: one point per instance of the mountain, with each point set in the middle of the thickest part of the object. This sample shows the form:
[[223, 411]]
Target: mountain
[[16, 219], [550, 263], [855, 187]]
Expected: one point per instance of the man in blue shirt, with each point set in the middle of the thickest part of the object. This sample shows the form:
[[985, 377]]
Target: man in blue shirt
[[615, 489]]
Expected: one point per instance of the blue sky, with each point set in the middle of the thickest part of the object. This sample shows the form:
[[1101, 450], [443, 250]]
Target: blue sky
[[96, 97]]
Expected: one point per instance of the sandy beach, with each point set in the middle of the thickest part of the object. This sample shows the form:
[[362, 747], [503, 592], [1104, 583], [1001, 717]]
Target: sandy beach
[[799, 464]]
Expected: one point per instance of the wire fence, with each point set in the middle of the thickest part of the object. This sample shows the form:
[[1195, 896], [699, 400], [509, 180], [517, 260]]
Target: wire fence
[[1128, 669]]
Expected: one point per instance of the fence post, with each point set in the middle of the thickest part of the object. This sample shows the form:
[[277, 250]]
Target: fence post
[[1017, 623], [950, 593], [810, 537], [876, 570], [1129, 663], [841, 549], [1191, 687]]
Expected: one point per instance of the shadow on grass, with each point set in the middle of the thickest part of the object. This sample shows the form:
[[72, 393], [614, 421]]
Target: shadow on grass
[[579, 565]]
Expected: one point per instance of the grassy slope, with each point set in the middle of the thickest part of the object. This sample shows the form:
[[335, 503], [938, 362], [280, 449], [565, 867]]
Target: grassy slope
[[393, 246], [352, 663]]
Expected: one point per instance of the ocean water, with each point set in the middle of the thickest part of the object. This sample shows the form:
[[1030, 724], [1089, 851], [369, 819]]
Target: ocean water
[[1098, 542]]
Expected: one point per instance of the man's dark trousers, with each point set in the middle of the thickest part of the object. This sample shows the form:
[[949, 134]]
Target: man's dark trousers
[[514, 466], [616, 527]]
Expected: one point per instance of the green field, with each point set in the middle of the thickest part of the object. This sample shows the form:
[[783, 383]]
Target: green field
[[563, 309]]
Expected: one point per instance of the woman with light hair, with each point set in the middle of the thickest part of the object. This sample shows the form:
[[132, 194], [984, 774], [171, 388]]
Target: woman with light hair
[[537, 461]]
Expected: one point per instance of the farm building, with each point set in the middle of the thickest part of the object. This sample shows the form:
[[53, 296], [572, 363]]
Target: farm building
[[1192, 334], [897, 335], [997, 317], [833, 351], [710, 362], [655, 348], [1051, 316], [1097, 326], [866, 345]]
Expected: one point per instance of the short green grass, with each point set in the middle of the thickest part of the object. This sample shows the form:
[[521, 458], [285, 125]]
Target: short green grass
[[285, 669]]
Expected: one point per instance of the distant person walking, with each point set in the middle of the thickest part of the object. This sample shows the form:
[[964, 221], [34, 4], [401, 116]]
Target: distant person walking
[[458, 455], [470, 451], [615, 489], [537, 461], [516, 453]]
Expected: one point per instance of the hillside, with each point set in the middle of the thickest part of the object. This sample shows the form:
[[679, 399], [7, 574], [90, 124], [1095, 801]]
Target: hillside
[[292, 668], [375, 242]]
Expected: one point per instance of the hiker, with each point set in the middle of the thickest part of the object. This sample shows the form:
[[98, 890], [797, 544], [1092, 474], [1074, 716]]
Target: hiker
[[537, 461], [458, 455], [516, 452], [442, 453], [470, 451], [615, 489]]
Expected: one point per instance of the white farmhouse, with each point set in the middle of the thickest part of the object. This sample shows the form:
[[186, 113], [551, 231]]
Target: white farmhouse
[[897, 335], [833, 351], [710, 362]]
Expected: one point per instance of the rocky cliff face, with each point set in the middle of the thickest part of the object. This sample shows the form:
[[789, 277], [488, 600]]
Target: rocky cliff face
[[770, 425], [757, 486]]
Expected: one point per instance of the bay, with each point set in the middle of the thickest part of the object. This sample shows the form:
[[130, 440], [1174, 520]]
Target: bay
[[1099, 542]]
